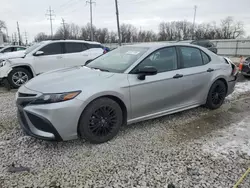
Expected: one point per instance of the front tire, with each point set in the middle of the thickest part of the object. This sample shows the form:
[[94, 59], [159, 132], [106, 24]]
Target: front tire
[[18, 77], [100, 121], [216, 95]]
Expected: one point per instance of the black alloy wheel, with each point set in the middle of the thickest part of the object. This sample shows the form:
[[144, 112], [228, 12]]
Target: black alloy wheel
[[216, 95], [100, 121]]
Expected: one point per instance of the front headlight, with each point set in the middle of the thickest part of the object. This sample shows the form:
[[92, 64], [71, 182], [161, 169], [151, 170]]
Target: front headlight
[[2, 63], [56, 97]]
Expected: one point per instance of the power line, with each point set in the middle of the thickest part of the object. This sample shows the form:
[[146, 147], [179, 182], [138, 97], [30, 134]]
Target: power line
[[50, 14], [90, 2], [118, 22]]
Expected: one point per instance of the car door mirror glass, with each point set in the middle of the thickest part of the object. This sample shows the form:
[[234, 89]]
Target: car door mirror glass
[[39, 53]]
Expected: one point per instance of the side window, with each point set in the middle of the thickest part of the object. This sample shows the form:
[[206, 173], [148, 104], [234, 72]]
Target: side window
[[191, 57], [163, 60], [93, 45], [10, 49], [205, 57], [19, 48], [73, 47], [52, 49]]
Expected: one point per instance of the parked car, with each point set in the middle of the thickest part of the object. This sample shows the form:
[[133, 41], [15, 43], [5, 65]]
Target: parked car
[[127, 85], [46, 56], [245, 67], [9, 49], [204, 43]]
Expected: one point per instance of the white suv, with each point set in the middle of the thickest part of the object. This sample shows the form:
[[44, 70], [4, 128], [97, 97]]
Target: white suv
[[46, 56]]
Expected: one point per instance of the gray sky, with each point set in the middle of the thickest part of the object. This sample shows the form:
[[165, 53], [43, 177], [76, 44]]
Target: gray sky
[[146, 14]]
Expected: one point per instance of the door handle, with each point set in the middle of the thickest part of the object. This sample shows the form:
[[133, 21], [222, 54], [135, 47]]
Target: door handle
[[178, 76], [210, 70]]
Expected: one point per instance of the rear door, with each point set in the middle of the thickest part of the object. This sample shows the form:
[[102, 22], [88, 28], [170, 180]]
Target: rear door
[[197, 74], [50, 59], [161, 92], [73, 54]]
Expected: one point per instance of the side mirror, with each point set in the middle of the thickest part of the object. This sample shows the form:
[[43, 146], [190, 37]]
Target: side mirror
[[39, 53], [146, 71]]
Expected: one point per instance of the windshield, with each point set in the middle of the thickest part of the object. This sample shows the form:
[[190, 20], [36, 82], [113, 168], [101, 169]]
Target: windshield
[[33, 47], [119, 59]]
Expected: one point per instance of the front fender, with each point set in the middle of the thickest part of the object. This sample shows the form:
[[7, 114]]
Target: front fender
[[12, 65], [123, 97]]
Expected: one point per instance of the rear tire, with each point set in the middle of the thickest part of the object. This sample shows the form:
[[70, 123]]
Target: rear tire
[[100, 121], [216, 95], [18, 77]]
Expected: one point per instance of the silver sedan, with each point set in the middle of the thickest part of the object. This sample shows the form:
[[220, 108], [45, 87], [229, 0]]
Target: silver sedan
[[127, 85]]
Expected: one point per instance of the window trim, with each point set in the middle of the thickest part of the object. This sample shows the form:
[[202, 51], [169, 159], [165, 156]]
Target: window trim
[[181, 57], [133, 71]]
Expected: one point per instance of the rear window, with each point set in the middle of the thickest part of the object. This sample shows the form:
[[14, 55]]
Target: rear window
[[93, 46]]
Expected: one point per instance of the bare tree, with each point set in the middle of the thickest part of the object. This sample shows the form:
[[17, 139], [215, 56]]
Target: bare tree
[[41, 37], [2, 25], [231, 29]]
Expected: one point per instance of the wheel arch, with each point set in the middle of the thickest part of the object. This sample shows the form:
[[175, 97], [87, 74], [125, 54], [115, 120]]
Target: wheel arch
[[27, 67], [113, 97]]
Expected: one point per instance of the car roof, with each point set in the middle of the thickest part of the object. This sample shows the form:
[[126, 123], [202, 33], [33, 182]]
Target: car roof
[[83, 41], [157, 45], [13, 46]]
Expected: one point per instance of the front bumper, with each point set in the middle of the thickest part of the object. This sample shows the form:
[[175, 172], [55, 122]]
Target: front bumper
[[56, 121]]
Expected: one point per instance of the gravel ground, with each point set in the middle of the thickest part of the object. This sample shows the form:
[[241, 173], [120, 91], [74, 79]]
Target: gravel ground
[[179, 149]]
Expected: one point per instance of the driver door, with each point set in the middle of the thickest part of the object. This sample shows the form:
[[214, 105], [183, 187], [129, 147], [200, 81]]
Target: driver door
[[158, 93], [52, 58]]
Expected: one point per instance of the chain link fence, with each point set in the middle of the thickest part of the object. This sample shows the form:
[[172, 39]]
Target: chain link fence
[[227, 47]]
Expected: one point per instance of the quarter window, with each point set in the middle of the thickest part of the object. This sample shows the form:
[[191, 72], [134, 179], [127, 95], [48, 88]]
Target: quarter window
[[205, 58], [52, 49], [163, 60], [191, 57], [73, 47], [93, 45]]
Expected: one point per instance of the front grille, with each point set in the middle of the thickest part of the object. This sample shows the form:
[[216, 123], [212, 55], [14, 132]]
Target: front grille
[[40, 123], [26, 95]]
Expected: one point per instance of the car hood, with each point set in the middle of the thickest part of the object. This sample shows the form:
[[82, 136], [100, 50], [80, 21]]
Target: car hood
[[67, 79], [11, 55]]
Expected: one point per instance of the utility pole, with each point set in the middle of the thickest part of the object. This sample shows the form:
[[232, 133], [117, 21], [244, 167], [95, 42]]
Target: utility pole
[[26, 38], [50, 14], [118, 24], [90, 2], [195, 8], [19, 35], [64, 28], [15, 38]]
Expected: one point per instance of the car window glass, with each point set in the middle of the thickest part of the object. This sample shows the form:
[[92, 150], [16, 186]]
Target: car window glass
[[19, 48], [52, 49], [163, 60], [191, 57], [205, 58], [73, 47], [93, 45], [10, 49]]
